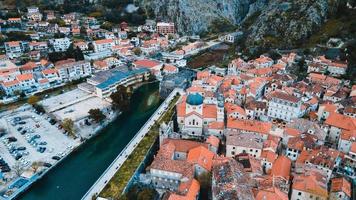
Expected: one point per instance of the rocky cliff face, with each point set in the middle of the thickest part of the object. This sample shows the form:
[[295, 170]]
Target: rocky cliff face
[[286, 23], [270, 22], [195, 16]]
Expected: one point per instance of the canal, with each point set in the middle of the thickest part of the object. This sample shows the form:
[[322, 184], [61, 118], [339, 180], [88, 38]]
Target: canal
[[71, 179]]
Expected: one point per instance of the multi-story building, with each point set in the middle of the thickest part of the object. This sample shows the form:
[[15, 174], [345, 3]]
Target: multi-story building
[[165, 28], [310, 185], [103, 45], [9, 87], [284, 106], [71, 70], [340, 189], [324, 159], [14, 49], [194, 116], [8, 70], [105, 88], [250, 126], [51, 75], [336, 123], [237, 143], [38, 46], [60, 44], [27, 82]]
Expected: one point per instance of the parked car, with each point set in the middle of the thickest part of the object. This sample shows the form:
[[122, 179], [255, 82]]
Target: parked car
[[41, 149], [12, 139], [56, 158], [20, 128], [22, 122], [18, 156], [21, 148], [2, 134], [47, 164]]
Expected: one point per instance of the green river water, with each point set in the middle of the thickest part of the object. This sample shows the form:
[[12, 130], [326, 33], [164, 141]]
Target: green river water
[[71, 179]]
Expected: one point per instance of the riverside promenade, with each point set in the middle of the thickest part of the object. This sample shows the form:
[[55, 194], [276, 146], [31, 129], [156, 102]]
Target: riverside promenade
[[99, 185]]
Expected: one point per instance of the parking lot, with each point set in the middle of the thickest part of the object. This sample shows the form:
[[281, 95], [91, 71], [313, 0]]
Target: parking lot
[[28, 137]]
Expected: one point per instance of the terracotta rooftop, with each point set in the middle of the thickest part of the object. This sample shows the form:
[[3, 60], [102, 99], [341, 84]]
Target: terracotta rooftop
[[341, 185], [250, 125], [284, 96], [341, 121], [146, 63], [281, 167], [271, 194], [312, 182], [24, 77], [202, 156]]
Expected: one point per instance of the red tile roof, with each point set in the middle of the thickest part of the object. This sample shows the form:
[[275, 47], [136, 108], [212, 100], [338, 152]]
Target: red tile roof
[[341, 185], [216, 125], [281, 167], [145, 63], [271, 194], [49, 71], [202, 156], [213, 141], [24, 77], [341, 121], [249, 125]]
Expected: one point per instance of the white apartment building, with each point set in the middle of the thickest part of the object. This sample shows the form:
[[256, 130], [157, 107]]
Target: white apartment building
[[71, 70], [8, 70], [103, 45], [60, 44], [13, 49], [51, 75], [284, 106]]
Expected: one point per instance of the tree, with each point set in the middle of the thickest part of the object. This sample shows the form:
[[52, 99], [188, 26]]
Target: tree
[[121, 98], [205, 184], [17, 168], [78, 54], [32, 100], [2, 94], [35, 166], [83, 30], [107, 25], [147, 194], [137, 51], [96, 115], [39, 108], [274, 55], [58, 21], [68, 125]]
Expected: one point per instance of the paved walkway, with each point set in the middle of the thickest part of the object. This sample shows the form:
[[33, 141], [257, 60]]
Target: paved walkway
[[121, 158]]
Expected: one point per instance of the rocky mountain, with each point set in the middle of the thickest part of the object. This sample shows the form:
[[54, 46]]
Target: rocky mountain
[[196, 16], [281, 23], [286, 23]]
